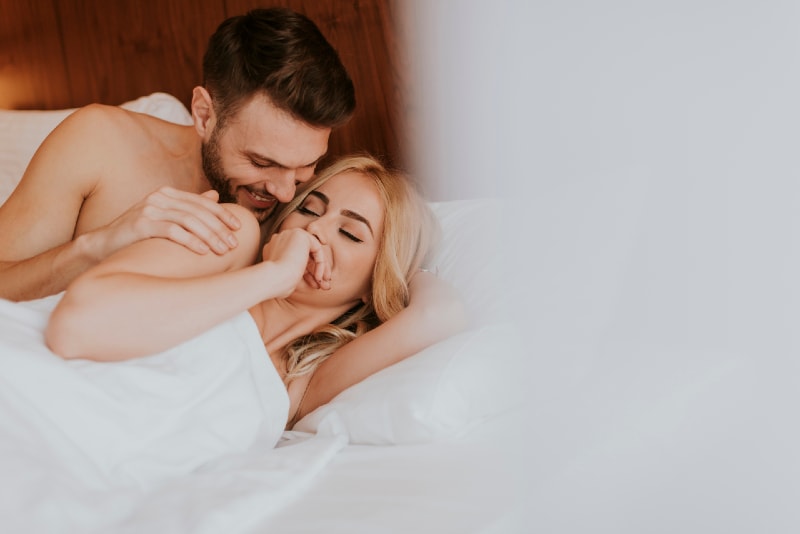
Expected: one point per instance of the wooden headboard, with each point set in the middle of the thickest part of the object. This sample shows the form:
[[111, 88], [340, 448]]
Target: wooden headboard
[[58, 54]]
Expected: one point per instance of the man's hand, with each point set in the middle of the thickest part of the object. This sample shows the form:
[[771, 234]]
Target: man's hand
[[194, 221]]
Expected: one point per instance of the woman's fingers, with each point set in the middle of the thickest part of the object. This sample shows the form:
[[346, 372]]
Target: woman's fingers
[[310, 280], [321, 268], [301, 253]]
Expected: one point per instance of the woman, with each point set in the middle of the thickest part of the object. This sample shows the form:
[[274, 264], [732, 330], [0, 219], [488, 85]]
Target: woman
[[345, 256]]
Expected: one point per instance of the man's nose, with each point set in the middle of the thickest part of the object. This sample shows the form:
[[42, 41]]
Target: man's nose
[[282, 186]]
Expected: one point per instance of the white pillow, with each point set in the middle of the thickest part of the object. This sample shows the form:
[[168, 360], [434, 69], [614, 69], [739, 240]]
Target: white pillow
[[449, 387], [21, 132], [469, 255], [439, 393], [161, 105]]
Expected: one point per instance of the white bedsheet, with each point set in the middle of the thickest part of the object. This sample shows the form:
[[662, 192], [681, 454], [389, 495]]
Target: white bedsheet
[[181, 441], [466, 485]]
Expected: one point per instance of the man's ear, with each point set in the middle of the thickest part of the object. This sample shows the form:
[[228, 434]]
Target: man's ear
[[202, 112]]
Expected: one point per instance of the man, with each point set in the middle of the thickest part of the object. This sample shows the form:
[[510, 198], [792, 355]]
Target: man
[[105, 177]]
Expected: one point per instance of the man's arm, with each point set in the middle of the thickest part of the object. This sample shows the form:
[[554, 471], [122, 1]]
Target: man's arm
[[38, 255], [39, 219], [45, 274]]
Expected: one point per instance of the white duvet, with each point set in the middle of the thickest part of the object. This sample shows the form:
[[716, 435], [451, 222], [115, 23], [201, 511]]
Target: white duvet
[[89, 446]]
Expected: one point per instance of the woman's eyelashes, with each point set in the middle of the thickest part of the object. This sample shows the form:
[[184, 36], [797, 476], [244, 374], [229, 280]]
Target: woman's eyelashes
[[350, 236], [305, 210]]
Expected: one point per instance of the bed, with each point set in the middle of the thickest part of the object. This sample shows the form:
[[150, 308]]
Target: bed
[[424, 446], [651, 151]]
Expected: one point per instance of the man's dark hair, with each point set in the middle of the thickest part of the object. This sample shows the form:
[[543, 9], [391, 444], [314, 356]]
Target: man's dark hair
[[284, 55]]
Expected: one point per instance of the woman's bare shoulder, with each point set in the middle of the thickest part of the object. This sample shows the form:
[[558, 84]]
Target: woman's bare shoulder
[[248, 234]]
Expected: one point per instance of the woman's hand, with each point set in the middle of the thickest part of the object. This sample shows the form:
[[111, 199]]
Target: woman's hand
[[300, 255]]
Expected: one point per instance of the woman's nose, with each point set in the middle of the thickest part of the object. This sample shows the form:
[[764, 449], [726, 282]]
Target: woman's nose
[[318, 229]]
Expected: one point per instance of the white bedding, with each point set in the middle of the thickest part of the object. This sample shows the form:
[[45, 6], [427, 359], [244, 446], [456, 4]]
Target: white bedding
[[422, 446], [141, 421], [95, 444]]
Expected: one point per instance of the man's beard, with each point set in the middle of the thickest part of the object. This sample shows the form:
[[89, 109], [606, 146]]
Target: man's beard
[[215, 174], [212, 167]]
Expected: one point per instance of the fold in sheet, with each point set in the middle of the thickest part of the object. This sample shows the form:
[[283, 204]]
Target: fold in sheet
[[86, 445]]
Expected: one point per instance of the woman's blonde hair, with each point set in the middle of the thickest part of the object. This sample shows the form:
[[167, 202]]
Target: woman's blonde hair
[[410, 231]]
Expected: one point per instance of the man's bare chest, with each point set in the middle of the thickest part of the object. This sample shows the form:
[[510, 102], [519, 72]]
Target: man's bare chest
[[132, 189]]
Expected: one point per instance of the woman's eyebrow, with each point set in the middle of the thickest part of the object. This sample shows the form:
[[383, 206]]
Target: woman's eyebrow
[[347, 213], [322, 196], [360, 218]]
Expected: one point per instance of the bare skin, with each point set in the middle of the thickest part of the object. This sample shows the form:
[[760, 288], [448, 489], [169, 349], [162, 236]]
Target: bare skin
[[168, 298], [132, 176]]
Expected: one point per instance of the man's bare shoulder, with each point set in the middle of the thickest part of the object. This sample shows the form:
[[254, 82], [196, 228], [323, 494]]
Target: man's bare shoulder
[[119, 146], [60, 177], [109, 124], [97, 163], [80, 149]]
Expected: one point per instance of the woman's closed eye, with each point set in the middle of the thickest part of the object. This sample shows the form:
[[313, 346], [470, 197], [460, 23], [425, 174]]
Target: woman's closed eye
[[313, 206], [306, 211], [350, 236]]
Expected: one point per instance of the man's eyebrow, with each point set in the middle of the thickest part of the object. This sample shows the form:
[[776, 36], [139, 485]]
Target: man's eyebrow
[[270, 161], [347, 213], [264, 159]]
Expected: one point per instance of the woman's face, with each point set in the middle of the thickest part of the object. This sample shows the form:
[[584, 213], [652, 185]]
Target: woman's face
[[346, 215]]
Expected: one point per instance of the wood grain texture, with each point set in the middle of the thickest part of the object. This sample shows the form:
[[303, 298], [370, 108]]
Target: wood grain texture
[[68, 53], [135, 48], [33, 73], [362, 32]]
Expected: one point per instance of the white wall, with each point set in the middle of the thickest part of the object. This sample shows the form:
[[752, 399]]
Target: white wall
[[650, 153]]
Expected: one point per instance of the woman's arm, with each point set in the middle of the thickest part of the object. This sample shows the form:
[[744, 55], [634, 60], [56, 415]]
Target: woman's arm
[[155, 294], [435, 312]]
